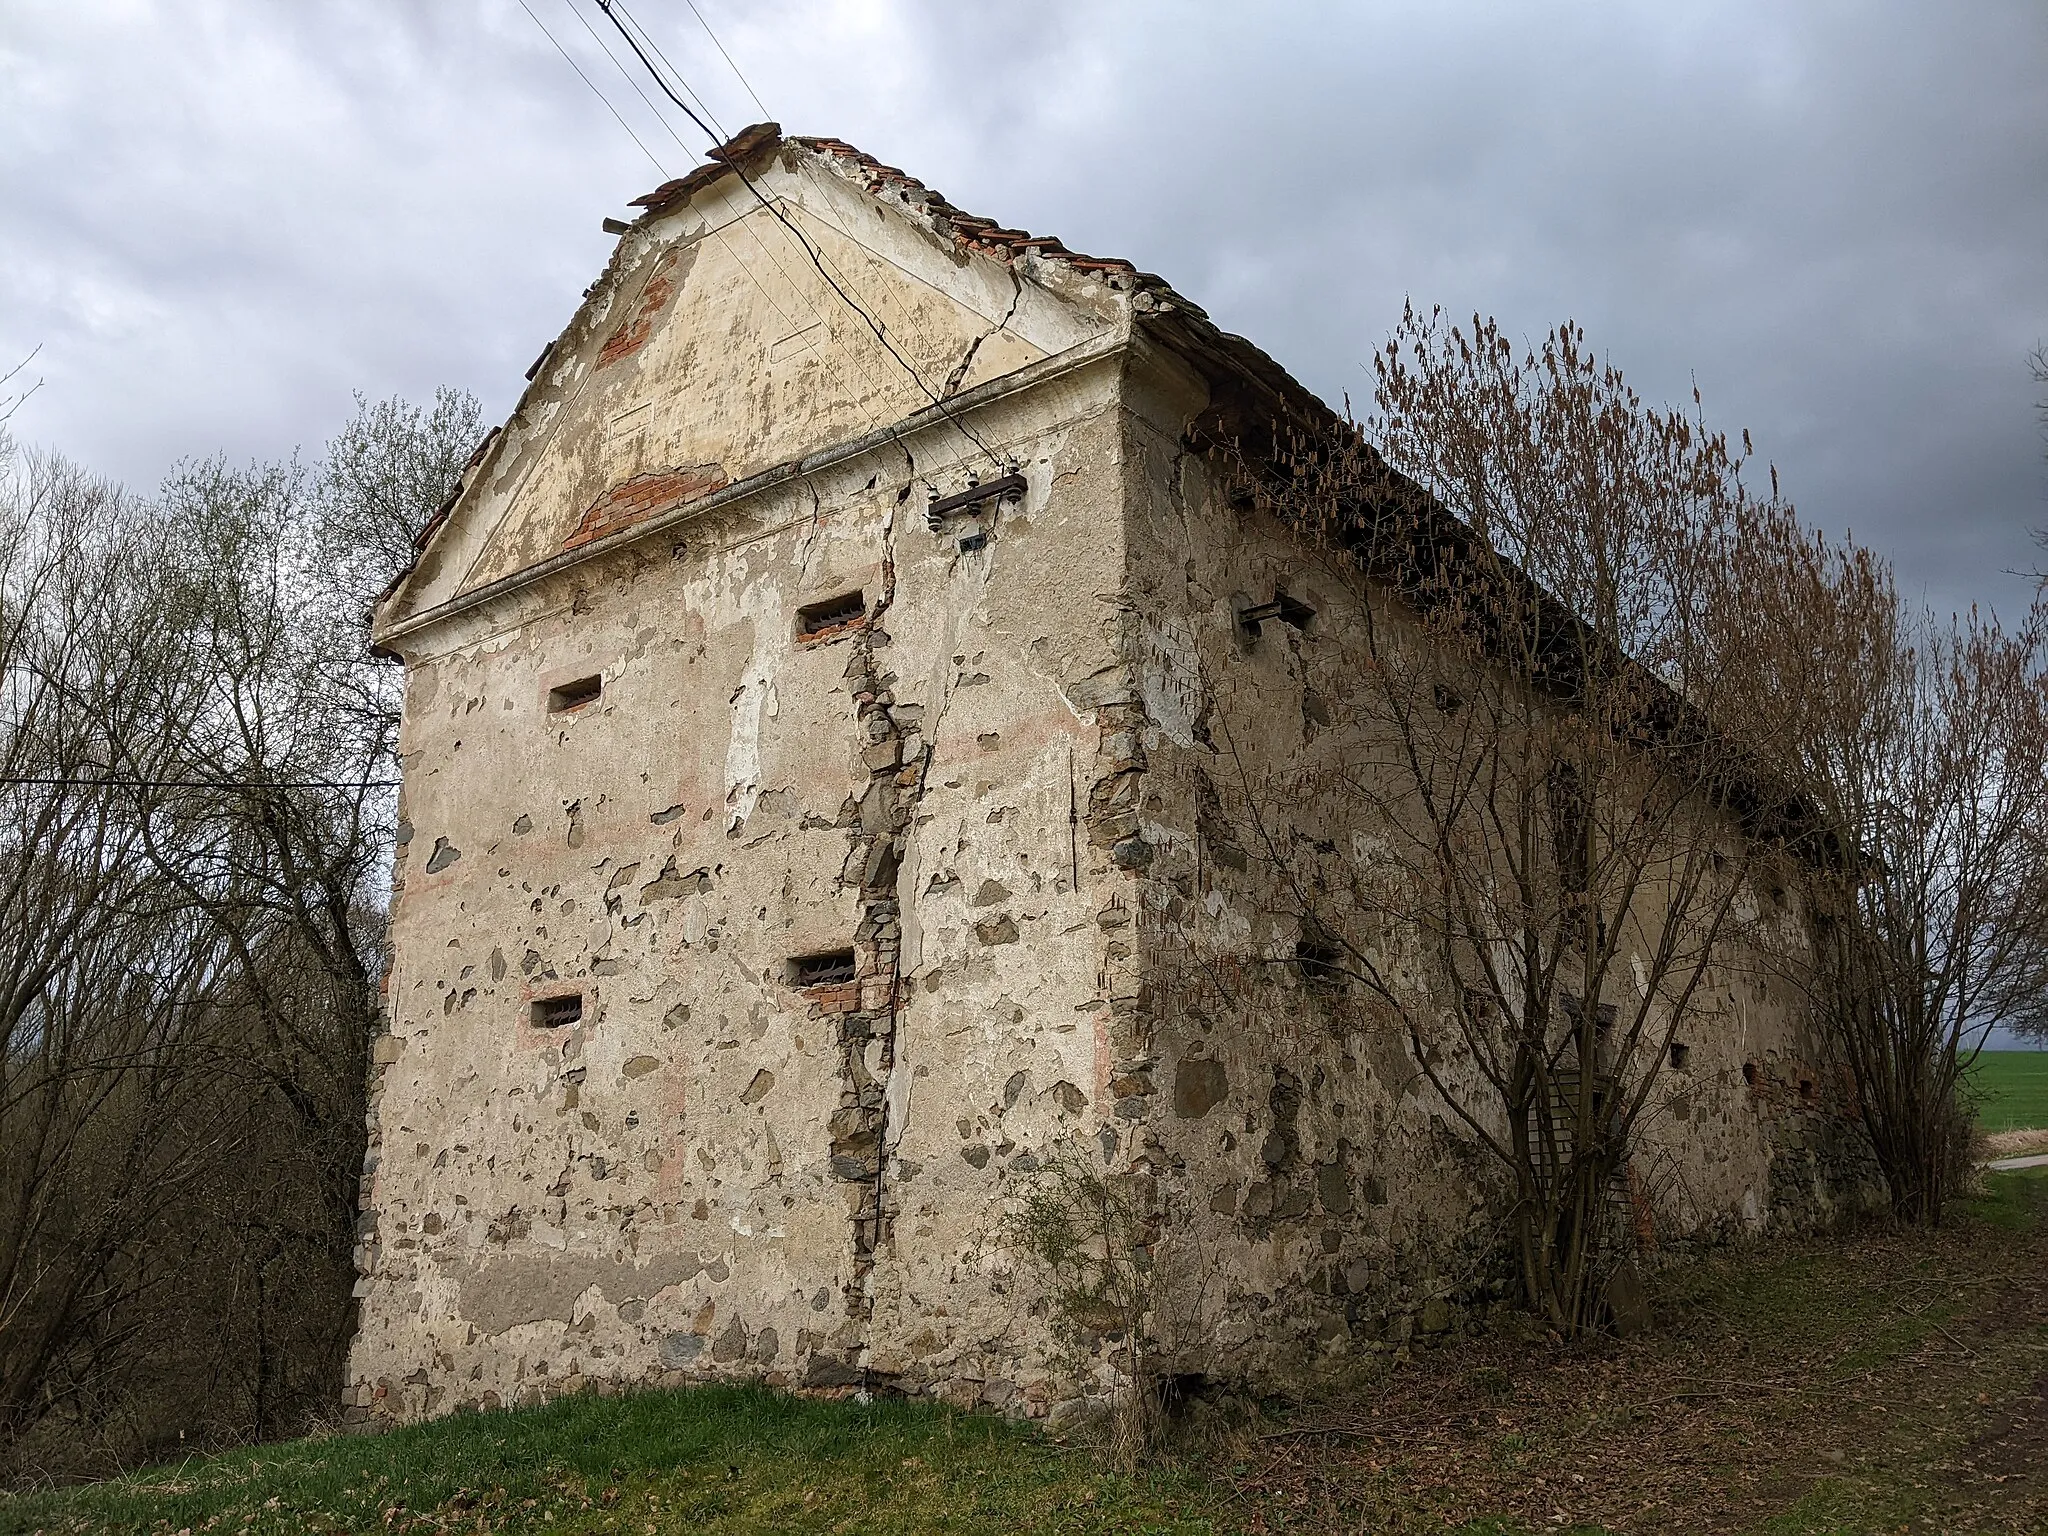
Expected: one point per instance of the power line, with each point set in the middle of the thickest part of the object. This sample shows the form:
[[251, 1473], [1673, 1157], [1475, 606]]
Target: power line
[[600, 95], [625, 75], [727, 57], [689, 90], [796, 234], [831, 363], [696, 96], [716, 136]]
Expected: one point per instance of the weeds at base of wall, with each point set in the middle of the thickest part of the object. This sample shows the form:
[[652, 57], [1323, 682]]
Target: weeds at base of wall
[[1087, 1239]]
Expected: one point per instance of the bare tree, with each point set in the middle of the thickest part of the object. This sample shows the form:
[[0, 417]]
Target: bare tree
[[12, 395], [2037, 365], [387, 473], [1520, 833], [1925, 742], [195, 816], [103, 981]]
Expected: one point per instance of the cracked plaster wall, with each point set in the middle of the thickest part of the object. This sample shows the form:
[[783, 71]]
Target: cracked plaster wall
[[990, 789], [676, 1184], [1314, 1196], [711, 349]]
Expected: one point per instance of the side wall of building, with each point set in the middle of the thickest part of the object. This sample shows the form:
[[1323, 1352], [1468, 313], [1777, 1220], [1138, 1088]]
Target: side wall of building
[[1315, 1195]]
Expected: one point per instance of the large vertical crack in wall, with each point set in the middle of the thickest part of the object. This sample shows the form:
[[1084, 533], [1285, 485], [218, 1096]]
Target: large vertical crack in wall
[[866, 1009]]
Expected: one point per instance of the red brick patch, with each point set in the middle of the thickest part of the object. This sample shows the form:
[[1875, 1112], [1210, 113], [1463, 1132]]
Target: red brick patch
[[632, 336], [833, 632], [834, 997], [639, 498]]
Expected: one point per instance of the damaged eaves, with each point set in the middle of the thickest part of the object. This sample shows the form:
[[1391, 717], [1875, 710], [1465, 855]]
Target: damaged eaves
[[964, 229], [1251, 394]]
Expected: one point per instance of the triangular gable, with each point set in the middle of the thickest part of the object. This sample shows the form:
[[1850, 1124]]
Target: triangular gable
[[713, 348]]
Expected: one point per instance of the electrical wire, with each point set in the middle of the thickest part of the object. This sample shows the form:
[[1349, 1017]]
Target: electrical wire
[[831, 364], [808, 172], [600, 95], [688, 89], [726, 56], [713, 134], [802, 241], [626, 75]]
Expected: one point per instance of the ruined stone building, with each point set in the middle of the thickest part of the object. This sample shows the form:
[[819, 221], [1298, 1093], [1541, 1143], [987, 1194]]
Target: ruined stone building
[[800, 757]]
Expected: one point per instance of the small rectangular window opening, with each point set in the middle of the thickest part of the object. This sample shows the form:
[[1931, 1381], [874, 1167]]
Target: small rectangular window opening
[[823, 970], [1679, 1055], [1288, 610], [1320, 962], [833, 613], [557, 1012], [1568, 818], [574, 695]]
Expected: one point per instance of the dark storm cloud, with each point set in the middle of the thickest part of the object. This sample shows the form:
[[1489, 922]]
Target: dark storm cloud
[[222, 218]]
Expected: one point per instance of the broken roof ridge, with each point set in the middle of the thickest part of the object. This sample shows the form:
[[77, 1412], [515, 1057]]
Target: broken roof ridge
[[967, 230]]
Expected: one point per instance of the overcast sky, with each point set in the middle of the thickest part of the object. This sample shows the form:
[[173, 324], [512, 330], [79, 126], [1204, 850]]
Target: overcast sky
[[220, 217]]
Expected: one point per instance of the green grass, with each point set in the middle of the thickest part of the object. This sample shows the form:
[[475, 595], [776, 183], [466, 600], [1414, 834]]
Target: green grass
[[711, 1460], [2011, 1088], [2012, 1202], [1882, 1361]]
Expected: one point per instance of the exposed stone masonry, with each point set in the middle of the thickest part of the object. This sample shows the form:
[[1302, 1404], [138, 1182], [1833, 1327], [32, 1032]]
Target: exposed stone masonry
[[864, 1010]]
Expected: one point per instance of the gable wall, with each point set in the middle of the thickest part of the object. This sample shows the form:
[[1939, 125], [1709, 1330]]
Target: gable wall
[[713, 349], [685, 1184]]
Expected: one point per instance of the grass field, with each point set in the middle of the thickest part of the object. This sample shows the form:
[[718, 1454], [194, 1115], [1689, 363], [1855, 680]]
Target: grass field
[[2012, 1090], [724, 1460], [1888, 1381]]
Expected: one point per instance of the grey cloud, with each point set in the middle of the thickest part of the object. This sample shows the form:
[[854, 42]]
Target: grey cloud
[[223, 218]]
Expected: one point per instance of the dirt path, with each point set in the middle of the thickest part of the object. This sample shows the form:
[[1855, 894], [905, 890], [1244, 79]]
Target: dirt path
[[1897, 1382]]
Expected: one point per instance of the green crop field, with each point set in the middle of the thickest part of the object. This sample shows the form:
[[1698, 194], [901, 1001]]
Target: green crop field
[[2011, 1088]]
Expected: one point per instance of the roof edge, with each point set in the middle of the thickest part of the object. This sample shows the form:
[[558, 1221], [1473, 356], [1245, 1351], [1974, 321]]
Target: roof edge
[[1111, 344], [729, 156]]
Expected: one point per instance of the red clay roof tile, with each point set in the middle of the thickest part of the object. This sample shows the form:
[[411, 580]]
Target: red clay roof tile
[[969, 230]]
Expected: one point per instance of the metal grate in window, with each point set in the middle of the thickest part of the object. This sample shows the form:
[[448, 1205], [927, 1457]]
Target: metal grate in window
[[832, 613], [557, 1012], [821, 970]]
